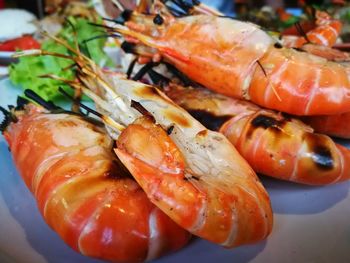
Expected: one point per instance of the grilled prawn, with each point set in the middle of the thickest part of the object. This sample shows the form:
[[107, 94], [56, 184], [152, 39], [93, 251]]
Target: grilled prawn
[[273, 144], [325, 33], [83, 192], [240, 60], [193, 175]]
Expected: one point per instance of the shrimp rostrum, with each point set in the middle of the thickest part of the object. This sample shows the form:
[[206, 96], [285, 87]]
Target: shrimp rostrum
[[83, 191], [192, 174], [240, 60]]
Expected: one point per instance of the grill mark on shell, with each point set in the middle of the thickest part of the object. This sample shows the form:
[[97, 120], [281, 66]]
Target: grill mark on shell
[[320, 152]]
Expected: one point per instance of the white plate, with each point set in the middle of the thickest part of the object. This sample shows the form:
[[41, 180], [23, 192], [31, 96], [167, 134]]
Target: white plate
[[6, 57], [312, 224]]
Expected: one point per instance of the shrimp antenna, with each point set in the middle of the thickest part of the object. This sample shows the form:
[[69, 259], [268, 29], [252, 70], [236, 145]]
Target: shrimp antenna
[[301, 31], [88, 109], [101, 36], [75, 36], [101, 25], [106, 119], [49, 105]]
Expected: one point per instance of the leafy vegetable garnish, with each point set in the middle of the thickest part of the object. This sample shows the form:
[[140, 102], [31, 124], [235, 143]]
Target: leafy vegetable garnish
[[27, 71]]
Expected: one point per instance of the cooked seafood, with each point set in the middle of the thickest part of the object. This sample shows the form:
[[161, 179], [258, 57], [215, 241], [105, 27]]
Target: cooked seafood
[[240, 60], [273, 144], [325, 33], [192, 174], [82, 190]]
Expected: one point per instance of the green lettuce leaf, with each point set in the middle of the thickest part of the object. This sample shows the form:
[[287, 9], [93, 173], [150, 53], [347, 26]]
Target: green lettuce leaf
[[26, 72]]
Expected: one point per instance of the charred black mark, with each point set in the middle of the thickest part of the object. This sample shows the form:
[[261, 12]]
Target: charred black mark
[[265, 121], [158, 20], [170, 129], [320, 152], [278, 45], [128, 47], [209, 120], [274, 125]]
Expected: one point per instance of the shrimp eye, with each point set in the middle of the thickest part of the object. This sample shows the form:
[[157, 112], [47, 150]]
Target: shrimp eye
[[128, 47], [126, 15], [277, 45], [158, 20]]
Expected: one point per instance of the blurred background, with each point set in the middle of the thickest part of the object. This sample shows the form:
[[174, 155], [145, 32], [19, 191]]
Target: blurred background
[[234, 8], [227, 6]]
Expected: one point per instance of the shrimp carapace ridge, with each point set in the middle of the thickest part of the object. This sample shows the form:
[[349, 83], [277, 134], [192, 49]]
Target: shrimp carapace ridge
[[82, 190]]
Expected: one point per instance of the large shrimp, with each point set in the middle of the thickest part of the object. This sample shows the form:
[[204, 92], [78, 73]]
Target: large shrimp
[[273, 144], [325, 33], [193, 175], [240, 60], [82, 190]]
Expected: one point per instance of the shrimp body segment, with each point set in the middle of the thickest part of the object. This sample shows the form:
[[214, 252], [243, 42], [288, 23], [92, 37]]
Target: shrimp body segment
[[240, 60], [272, 144], [84, 194]]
